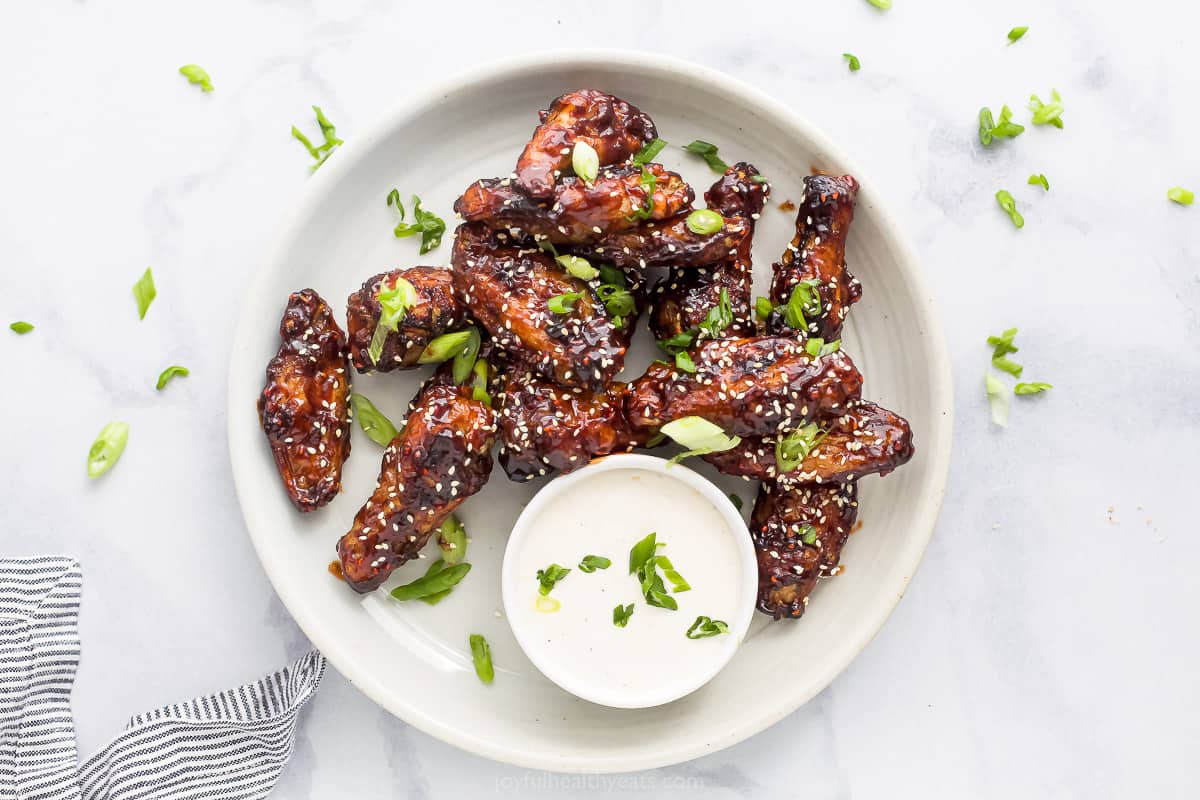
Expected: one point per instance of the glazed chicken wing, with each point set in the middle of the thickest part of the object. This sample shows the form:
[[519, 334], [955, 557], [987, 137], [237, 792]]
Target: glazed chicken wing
[[864, 440], [614, 128], [578, 212], [798, 534], [303, 407], [668, 243], [509, 291], [436, 311], [748, 387], [546, 429], [684, 298], [817, 253], [441, 457]]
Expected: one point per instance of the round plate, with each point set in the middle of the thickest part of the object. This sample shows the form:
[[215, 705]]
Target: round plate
[[413, 659]]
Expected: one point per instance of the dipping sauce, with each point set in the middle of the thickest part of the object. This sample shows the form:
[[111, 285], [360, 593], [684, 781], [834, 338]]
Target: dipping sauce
[[605, 510]]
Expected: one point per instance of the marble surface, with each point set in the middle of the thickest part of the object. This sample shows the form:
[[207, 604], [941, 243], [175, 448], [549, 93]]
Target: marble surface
[[1047, 647]]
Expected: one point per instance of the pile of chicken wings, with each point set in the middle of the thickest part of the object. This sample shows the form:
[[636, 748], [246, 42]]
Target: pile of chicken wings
[[554, 270]]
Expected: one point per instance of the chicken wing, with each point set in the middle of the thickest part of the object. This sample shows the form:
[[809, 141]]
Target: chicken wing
[[440, 458], [817, 253], [303, 408], [579, 212], [799, 533], [864, 440], [546, 429], [748, 387], [668, 243], [436, 311], [614, 128], [509, 291], [684, 299]]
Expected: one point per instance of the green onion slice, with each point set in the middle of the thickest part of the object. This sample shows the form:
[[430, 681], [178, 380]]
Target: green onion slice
[[107, 448], [705, 627], [649, 151], [792, 448], [577, 267], [481, 655], [699, 436], [585, 161], [708, 152], [591, 563], [1031, 388], [1017, 33], [563, 303], [1039, 180], [20, 327], [997, 394], [621, 615], [1009, 205], [170, 372], [1181, 195], [196, 74], [144, 292], [549, 576], [852, 62], [704, 221], [374, 423], [428, 584], [452, 539]]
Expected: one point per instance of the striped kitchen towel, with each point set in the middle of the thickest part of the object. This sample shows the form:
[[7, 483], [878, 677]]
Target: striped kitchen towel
[[229, 745]]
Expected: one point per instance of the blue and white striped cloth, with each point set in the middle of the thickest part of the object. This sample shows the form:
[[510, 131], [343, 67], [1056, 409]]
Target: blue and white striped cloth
[[229, 745]]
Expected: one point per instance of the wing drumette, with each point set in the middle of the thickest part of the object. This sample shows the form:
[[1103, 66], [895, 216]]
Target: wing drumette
[[578, 212], [545, 428], [436, 311], [748, 387], [798, 533], [613, 127], [817, 253], [685, 297], [441, 457], [303, 407], [509, 289], [864, 440]]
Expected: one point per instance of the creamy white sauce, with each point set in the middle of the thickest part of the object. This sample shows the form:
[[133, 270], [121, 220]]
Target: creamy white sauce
[[650, 660]]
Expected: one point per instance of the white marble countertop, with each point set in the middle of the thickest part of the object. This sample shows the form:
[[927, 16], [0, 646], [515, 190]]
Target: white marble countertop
[[1047, 647]]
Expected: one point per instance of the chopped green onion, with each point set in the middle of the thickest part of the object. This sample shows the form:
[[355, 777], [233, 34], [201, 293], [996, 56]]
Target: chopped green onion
[[649, 151], [462, 346], [804, 303], [758, 179], [549, 576], [429, 225], [708, 152], [1047, 113], [621, 615], [1006, 128], [1005, 364], [374, 423], [1181, 195], [881, 4], [323, 151], [479, 383], [577, 267], [719, 317], [1017, 33], [585, 161], [852, 62], [1003, 343], [452, 540], [144, 292], [563, 303], [481, 654], [644, 563], [590, 564], [428, 584], [1039, 180], [808, 534], [648, 184], [736, 500], [643, 551], [611, 275], [792, 448], [107, 449], [997, 394], [546, 605], [680, 341], [678, 584], [704, 221], [699, 436], [170, 372], [433, 599], [704, 627], [394, 303], [684, 362], [197, 74], [1009, 205], [1031, 388], [763, 307], [818, 348], [21, 328], [618, 302]]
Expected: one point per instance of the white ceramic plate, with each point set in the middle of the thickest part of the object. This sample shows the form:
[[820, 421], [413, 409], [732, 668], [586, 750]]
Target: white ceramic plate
[[413, 659]]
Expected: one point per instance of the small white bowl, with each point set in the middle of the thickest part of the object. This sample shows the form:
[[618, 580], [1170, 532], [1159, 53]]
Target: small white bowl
[[531, 629]]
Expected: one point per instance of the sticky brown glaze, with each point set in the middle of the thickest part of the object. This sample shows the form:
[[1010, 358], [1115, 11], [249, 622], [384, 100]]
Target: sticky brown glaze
[[788, 568], [668, 243], [577, 212], [303, 407], [748, 387], [613, 127], [683, 299], [818, 252], [437, 311], [507, 289], [546, 429], [441, 457], [865, 440]]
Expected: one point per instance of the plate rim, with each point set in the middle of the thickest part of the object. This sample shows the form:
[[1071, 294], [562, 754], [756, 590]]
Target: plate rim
[[321, 634]]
